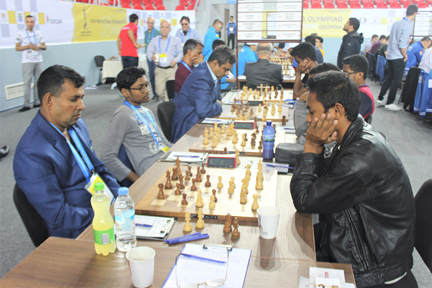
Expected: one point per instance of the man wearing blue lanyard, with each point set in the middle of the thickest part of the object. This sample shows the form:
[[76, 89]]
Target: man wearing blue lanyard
[[165, 51], [231, 32], [30, 42], [192, 51], [149, 34], [135, 128], [186, 32], [210, 36], [54, 164]]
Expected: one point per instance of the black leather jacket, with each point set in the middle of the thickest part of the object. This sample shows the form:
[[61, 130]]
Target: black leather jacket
[[350, 46], [366, 206]]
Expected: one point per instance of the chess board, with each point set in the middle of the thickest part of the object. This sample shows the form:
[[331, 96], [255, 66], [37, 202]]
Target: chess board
[[270, 96], [226, 141], [277, 117], [171, 205]]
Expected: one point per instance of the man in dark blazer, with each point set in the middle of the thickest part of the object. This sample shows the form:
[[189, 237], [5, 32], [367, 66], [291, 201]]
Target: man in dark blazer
[[200, 94], [262, 71], [49, 164]]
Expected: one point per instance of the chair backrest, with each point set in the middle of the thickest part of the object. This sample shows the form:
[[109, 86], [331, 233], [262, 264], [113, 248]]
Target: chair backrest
[[170, 88], [99, 59], [122, 156], [380, 67], [369, 119], [423, 232], [165, 113], [32, 220]]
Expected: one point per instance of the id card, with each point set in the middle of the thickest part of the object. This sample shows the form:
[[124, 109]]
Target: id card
[[163, 148], [95, 178], [231, 29], [163, 58]]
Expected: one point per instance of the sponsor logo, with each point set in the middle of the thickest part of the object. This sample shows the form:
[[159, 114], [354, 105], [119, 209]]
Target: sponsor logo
[[20, 17], [53, 20]]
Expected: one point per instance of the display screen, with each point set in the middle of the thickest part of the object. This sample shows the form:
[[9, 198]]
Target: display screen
[[255, 103], [221, 162], [244, 125]]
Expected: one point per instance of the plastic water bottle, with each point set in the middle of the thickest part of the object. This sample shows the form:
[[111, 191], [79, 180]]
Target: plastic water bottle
[[124, 214], [268, 139], [103, 223]]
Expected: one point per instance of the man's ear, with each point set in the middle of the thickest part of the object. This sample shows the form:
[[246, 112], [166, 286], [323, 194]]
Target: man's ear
[[360, 75], [48, 100], [339, 111], [125, 92]]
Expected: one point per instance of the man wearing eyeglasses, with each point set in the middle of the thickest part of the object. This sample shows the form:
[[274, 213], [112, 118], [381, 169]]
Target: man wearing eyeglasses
[[135, 128], [186, 32], [211, 35], [149, 34]]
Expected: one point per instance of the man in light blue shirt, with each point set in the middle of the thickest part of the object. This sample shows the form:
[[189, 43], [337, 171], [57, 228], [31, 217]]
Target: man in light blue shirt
[[247, 54], [396, 58], [210, 36], [185, 33], [165, 51]]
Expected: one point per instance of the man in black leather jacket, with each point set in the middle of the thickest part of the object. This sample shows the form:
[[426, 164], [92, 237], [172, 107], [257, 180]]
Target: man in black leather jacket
[[351, 42], [361, 191]]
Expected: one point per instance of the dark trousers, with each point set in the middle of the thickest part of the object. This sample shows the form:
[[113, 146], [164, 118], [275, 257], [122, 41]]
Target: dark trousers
[[129, 61], [151, 72], [231, 39], [393, 79]]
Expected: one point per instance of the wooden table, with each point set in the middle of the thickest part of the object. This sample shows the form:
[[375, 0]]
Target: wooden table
[[60, 262]]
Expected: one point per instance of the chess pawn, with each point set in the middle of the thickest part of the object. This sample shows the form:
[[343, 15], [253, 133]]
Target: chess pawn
[[220, 185], [199, 202], [235, 234], [181, 182], [232, 179], [206, 140], [168, 184], [207, 183], [193, 187], [227, 225], [211, 134], [255, 205], [187, 227], [235, 139], [212, 204], [203, 171], [229, 131], [175, 174], [223, 130], [177, 191], [184, 201], [231, 188], [237, 153], [198, 175], [200, 223], [161, 194], [243, 143], [259, 183], [243, 199], [259, 108]]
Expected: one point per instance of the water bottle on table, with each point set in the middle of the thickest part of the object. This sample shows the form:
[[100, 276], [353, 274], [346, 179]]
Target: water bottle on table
[[124, 214], [268, 139]]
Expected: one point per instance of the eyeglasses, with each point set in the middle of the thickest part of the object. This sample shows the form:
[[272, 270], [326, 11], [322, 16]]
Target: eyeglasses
[[142, 88], [220, 26], [184, 24], [349, 73], [150, 22]]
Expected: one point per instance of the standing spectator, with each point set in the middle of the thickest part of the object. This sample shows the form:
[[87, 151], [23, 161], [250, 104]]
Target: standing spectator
[[318, 43], [149, 34], [351, 42], [368, 45], [312, 40], [165, 50], [231, 32], [192, 56], [210, 36], [127, 44], [185, 33], [377, 44], [397, 57], [426, 62], [30, 42], [415, 52]]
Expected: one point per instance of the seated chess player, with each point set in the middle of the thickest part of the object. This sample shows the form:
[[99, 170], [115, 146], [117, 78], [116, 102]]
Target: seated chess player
[[192, 56], [262, 71], [200, 95], [305, 56], [134, 127], [228, 81], [361, 191], [247, 54], [54, 160]]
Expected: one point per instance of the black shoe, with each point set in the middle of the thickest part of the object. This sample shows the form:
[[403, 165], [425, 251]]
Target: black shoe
[[155, 97], [36, 105], [23, 109], [4, 151]]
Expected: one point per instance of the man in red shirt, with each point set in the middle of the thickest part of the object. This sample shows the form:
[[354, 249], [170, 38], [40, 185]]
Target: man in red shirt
[[127, 44], [192, 51]]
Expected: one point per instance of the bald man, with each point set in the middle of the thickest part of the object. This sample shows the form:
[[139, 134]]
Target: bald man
[[149, 34], [165, 51], [262, 71]]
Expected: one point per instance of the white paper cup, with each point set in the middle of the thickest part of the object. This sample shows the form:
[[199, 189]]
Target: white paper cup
[[268, 221], [157, 58], [141, 265]]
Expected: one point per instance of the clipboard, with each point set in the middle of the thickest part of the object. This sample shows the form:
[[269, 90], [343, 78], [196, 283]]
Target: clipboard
[[160, 229]]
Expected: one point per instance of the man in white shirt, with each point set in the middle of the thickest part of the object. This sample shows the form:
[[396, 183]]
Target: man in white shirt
[[426, 62], [30, 42]]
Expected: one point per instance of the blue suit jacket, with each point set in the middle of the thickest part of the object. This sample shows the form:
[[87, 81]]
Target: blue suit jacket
[[48, 173], [197, 100]]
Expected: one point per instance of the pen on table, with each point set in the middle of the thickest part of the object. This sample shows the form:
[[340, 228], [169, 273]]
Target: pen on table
[[213, 120], [185, 236], [196, 237], [186, 156], [280, 166], [143, 225]]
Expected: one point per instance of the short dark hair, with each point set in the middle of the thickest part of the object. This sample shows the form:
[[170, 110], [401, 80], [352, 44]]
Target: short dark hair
[[304, 50], [411, 10], [191, 44], [374, 36], [128, 76], [355, 23], [231, 16], [323, 67], [185, 18], [382, 37], [29, 16], [52, 79], [310, 39], [216, 21], [320, 39], [426, 38], [388, 37], [357, 63], [217, 43], [222, 54], [133, 17], [335, 87]]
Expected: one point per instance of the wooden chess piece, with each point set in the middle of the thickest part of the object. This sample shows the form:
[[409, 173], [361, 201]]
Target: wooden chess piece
[[181, 182], [280, 106], [193, 187], [283, 120], [207, 183], [199, 202], [210, 136], [243, 143], [174, 175], [253, 142], [212, 204], [220, 185], [189, 171], [259, 183], [231, 188], [255, 204], [237, 153], [200, 223], [203, 171], [225, 150], [161, 194], [168, 184], [178, 163], [184, 201], [243, 199], [206, 140], [274, 127], [198, 175], [187, 178], [227, 225], [187, 227], [214, 194], [234, 185], [235, 234], [235, 139], [177, 191]]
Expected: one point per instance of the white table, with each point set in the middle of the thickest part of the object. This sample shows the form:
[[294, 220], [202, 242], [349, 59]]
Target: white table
[[111, 68]]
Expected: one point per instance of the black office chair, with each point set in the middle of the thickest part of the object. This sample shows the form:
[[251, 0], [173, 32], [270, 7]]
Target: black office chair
[[170, 88], [122, 156], [410, 88], [30, 217], [423, 233], [369, 119], [99, 59], [165, 113]]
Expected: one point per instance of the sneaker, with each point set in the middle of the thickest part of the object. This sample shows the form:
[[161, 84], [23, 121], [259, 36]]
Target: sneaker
[[23, 109], [392, 107], [36, 105], [380, 102]]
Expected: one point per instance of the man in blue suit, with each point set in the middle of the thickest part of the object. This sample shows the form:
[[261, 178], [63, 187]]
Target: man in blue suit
[[54, 160], [200, 94], [211, 35]]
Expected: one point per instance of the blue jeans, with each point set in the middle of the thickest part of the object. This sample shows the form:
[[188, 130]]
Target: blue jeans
[[151, 72], [393, 79], [129, 61]]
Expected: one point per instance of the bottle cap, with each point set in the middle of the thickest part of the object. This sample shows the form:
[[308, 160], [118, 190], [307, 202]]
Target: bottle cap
[[99, 186], [123, 191], [268, 123]]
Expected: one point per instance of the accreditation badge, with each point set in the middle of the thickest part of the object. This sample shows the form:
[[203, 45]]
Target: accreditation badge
[[95, 178], [163, 147], [163, 58]]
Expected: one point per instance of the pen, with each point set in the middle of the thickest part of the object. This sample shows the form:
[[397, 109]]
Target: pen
[[280, 166], [186, 236], [213, 120], [197, 237], [187, 156], [143, 225]]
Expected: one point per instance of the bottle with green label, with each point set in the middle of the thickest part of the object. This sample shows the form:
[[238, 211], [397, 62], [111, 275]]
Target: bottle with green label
[[103, 223]]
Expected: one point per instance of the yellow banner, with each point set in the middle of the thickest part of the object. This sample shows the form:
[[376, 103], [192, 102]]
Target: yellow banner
[[326, 22], [97, 23]]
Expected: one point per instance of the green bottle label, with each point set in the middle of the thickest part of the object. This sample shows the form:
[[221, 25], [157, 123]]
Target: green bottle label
[[104, 237]]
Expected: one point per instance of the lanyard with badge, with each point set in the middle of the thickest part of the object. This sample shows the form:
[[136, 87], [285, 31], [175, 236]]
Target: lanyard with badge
[[186, 65], [86, 166], [32, 53], [152, 35], [157, 138], [163, 57]]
